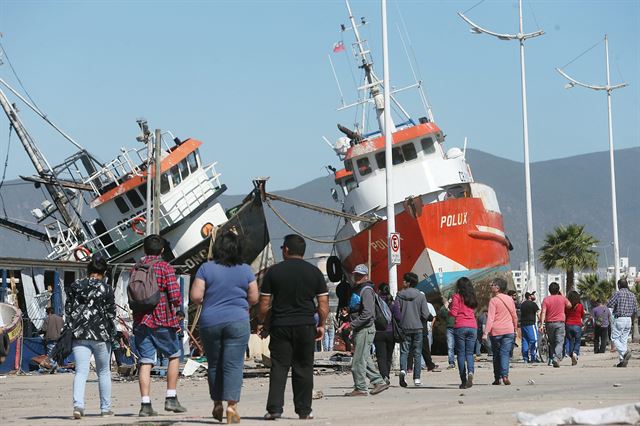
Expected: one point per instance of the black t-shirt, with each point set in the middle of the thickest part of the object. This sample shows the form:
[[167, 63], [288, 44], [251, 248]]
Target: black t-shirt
[[293, 285], [528, 311]]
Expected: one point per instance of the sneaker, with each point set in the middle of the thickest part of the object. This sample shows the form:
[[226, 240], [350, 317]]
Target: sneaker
[[574, 359], [620, 364], [357, 392], [146, 410], [506, 381], [379, 388], [306, 416], [172, 404], [78, 413], [403, 382], [451, 367], [556, 364], [106, 413], [496, 382], [433, 367], [469, 380], [463, 385], [417, 382], [626, 358], [272, 416]]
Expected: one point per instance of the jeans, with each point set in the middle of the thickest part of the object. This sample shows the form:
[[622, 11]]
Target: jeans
[[384, 344], [82, 350], [620, 335], [451, 344], [362, 366], [600, 339], [291, 347], [574, 332], [412, 343], [555, 334], [501, 347], [465, 345], [151, 341], [327, 339], [225, 345], [529, 343]]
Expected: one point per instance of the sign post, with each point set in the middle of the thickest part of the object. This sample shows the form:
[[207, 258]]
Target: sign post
[[394, 248]]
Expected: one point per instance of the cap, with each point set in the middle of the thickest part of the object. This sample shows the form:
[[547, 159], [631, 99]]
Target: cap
[[361, 269], [526, 295]]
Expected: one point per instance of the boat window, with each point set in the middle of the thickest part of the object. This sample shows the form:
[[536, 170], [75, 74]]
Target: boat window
[[363, 166], [427, 145], [380, 160], [348, 165], [396, 156], [164, 183], [184, 169], [409, 152], [350, 184], [143, 191], [134, 198], [122, 204], [175, 176], [193, 161]]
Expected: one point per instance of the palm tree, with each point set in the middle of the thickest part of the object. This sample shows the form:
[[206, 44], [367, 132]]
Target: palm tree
[[569, 248], [595, 289]]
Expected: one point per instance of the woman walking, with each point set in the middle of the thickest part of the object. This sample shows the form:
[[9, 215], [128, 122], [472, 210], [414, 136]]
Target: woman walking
[[465, 328], [502, 322], [573, 322], [383, 341], [226, 287], [90, 312]]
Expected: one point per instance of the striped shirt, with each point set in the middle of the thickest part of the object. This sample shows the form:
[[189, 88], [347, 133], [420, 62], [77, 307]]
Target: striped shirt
[[623, 303]]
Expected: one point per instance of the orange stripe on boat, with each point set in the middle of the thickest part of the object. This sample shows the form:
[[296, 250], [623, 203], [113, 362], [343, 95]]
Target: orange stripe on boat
[[178, 154], [342, 173], [403, 135]]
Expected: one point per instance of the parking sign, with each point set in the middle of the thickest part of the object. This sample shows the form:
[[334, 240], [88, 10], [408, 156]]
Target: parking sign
[[394, 248]]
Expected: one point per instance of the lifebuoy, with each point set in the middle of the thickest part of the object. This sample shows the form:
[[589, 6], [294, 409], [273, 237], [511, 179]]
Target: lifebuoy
[[334, 269], [136, 221], [81, 253], [4, 345]]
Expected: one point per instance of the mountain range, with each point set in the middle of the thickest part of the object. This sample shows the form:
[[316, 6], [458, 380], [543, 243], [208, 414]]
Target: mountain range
[[568, 190]]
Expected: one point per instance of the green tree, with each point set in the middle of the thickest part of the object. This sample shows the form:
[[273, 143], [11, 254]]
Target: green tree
[[569, 248], [593, 288]]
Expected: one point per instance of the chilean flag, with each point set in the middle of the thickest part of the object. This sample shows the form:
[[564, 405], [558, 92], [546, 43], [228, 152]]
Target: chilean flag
[[338, 47]]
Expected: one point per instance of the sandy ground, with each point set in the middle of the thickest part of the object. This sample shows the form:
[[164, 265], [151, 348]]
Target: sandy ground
[[593, 383]]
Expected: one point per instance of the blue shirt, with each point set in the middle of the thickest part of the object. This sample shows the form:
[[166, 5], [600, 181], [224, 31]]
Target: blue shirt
[[225, 294]]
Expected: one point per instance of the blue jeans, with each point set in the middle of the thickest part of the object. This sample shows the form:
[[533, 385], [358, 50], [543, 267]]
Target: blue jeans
[[501, 347], [465, 345], [225, 345], [529, 343], [150, 341], [327, 340], [451, 344], [412, 343], [574, 333], [82, 350]]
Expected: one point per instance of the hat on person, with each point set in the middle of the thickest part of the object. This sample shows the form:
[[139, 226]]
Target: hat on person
[[361, 269], [526, 295]]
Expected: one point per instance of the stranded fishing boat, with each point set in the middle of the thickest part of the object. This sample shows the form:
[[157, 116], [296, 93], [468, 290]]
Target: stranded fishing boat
[[120, 197], [450, 225]]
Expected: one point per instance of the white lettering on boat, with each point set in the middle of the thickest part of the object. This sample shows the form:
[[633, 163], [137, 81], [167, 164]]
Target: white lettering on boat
[[380, 244], [453, 220]]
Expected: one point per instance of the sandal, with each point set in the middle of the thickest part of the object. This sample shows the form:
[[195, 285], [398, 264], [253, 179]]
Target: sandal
[[232, 415]]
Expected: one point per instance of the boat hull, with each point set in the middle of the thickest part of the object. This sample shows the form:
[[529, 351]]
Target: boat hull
[[11, 324]]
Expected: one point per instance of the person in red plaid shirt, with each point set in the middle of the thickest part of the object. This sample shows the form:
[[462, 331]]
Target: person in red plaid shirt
[[156, 331]]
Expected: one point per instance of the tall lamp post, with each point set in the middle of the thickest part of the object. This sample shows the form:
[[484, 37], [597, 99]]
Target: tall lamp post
[[521, 37], [614, 209]]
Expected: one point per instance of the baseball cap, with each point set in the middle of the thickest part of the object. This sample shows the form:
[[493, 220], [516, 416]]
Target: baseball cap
[[526, 295], [361, 269]]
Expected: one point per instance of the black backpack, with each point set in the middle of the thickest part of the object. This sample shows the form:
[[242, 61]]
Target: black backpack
[[143, 291]]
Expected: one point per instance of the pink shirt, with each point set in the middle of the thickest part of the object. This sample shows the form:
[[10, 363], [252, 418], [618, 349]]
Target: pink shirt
[[501, 318], [554, 306], [464, 315]]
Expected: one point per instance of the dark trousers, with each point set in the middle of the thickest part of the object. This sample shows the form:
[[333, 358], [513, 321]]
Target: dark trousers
[[600, 339], [426, 353], [384, 351], [344, 333], [291, 347]]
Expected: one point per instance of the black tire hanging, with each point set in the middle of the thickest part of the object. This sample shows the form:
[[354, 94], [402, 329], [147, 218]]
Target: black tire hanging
[[334, 269], [4, 345]]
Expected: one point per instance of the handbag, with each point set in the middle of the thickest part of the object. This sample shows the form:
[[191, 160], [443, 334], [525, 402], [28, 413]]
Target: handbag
[[63, 346], [398, 333]]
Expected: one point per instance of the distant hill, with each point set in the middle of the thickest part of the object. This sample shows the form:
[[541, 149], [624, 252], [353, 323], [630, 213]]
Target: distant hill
[[568, 190]]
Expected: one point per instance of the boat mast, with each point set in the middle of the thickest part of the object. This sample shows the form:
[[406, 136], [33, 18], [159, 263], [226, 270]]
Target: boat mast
[[373, 83]]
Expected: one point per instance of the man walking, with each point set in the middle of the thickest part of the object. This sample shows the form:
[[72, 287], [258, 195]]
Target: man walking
[[414, 312], [291, 288], [625, 307], [552, 321], [362, 308], [600, 315], [52, 328], [157, 330], [528, 314]]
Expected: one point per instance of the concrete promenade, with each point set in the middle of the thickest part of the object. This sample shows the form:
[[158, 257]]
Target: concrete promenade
[[593, 383]]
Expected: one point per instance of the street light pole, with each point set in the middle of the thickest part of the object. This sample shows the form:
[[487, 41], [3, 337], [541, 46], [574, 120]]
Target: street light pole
[[521, 37], [614, 208]]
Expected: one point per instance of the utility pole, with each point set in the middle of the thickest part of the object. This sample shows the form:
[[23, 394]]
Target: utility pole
[[614, 209], [157, 158]]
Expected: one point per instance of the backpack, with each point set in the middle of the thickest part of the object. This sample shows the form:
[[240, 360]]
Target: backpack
[[599, 320], [382, 316], [143, 290]]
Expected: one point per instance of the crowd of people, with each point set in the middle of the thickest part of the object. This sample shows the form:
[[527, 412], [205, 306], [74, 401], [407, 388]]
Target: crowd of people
[[293, 311]]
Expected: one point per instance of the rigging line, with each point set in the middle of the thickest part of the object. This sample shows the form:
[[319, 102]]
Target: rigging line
[[619, 71], [582, 54], [6, 159], [535, 19], [18, 78], [473, 7]]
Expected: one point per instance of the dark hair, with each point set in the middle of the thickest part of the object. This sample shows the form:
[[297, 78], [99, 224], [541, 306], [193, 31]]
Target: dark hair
[[411, 278], [574, 298], [153, 245], [295, 244], [384, 290], [468, 293], [554, 288], [501, 283], [622, 283], [97, 265], [227, 249]]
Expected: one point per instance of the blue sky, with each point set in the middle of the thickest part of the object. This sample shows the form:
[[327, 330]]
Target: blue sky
[[252, 80]]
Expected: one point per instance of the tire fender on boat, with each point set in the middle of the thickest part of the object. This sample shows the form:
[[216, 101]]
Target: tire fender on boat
[[81, 253], [334, 269], [138, 220]]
